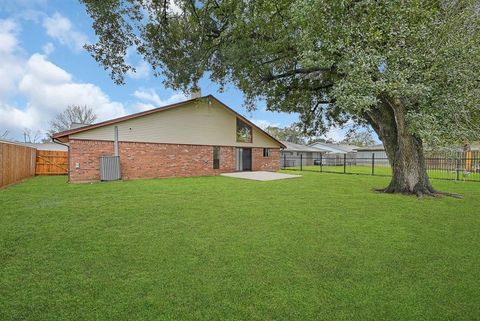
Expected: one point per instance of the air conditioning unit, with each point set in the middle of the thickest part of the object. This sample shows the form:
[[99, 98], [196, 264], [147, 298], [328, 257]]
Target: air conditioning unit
[[109, 168]]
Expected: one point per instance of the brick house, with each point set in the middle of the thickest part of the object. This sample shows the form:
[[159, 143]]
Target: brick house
[[197, 137]]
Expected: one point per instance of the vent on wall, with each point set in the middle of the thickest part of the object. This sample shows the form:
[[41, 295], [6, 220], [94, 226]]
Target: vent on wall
[[109, 168]]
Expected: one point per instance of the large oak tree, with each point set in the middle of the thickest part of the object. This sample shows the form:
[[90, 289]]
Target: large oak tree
[[410, 69]]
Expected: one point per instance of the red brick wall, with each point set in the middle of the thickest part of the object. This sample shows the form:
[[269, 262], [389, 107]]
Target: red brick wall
[[270, 163], [151, 160], [86, 153]]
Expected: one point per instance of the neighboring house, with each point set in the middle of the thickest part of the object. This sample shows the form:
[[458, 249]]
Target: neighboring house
[[293, 153], [475, 147], [336, 153], [200, 136], [39, 146], [468, 156], [465, 157], [365, 154], [48, 146]]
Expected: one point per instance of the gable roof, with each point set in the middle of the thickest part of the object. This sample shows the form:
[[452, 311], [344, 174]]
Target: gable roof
[[377, 147], [302, 148], [335, 148], [66, 133]]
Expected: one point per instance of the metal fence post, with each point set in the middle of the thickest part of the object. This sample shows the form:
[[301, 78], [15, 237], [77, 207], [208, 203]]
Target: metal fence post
[[301, 162], [458, 169], [284, 160], [321, 163], [344, 163], [373, 164]]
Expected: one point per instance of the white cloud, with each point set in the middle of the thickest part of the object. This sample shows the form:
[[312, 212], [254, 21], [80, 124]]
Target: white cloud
[[149, 95], [61, 29], [41, 71], [46, 89], [142, 70], [8, 41], [149, 99], [262, 123], [174, 7], [11, 67], [48, 48], [33, 89], [336, 134], [51, 89], [13, 119]]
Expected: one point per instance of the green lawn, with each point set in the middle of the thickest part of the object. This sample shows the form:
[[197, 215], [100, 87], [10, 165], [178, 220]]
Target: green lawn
[[320, 247], [385, 170]]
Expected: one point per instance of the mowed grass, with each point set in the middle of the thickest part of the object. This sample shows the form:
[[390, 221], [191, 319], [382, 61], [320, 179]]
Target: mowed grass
[[320, 247]]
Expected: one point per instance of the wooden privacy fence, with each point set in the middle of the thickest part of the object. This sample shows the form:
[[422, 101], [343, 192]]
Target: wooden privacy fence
[[17, 162], [51, 162]]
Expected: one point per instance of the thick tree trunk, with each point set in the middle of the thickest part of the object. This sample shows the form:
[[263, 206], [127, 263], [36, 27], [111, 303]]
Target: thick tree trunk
[[404, 150], [409, 173]]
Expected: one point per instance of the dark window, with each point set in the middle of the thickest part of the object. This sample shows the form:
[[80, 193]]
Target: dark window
[[216, 157], [266, 152], [244, 132]]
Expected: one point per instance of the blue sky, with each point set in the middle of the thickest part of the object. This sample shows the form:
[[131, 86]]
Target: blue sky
[[43, 69]]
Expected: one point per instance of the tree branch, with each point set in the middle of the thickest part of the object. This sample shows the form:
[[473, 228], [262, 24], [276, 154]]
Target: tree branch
[[299, 71]]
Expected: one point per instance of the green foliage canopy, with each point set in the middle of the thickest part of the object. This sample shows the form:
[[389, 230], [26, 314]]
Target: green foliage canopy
[[292, 133], [328, 60]]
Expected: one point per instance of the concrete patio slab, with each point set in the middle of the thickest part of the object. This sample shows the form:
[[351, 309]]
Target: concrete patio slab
[[260, 175]]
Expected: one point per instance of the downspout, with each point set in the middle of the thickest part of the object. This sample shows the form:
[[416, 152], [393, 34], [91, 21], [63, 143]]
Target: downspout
[[115, 141], [115, 152]]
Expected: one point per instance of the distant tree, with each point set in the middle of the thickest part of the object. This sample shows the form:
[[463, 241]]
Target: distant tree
[[4, 134], [292, 133], [31, 136], [359, 137], [314, 140], [72, 114]]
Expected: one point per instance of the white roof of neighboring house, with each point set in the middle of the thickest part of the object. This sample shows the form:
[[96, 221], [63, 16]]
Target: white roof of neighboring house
[[335, 148], [47, 146], [8, 141], [377, 147], [302, 148], [380, 147], [475, 147], [39, 146]]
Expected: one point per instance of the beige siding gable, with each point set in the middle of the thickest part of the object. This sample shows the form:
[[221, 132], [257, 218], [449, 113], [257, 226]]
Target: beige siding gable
[[198, 123]]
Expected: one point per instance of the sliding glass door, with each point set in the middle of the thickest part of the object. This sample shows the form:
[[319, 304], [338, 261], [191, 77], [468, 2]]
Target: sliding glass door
[[243, 159]]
